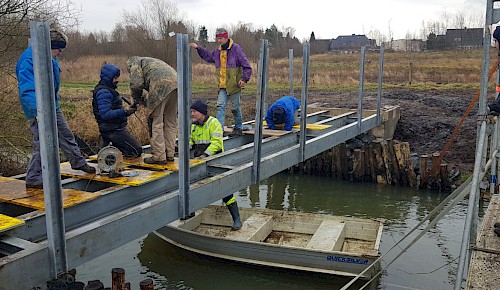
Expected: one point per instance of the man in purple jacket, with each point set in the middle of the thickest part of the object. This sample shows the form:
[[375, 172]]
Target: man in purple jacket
[[233, 72]]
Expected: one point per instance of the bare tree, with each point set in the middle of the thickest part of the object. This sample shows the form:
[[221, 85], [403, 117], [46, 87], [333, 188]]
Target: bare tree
[[379, 37], [459, 20], [15, 16], [150, 25]]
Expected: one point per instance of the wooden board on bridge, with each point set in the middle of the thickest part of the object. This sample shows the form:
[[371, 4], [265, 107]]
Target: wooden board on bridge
[[143, 176], [8, 223], [139, 162], [14, 191]]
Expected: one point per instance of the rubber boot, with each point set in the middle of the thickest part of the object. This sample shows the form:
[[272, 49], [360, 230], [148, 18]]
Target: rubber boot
[[235, 213]]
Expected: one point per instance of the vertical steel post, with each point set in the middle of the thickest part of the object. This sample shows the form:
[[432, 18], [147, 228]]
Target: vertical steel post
[[472, 210], [290, 61], [361, 87], [303, 100], [49, 147], [184, 101], [262, 79], [379, 90]]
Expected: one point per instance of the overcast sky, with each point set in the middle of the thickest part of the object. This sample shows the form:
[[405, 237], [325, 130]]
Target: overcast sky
[[327, 18]]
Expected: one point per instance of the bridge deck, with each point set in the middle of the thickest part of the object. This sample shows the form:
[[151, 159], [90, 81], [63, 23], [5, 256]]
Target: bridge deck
[[102, 213]]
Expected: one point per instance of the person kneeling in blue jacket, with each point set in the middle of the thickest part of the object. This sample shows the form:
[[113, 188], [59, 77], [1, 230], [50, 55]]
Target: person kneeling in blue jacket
[[283, 111], [110, 114]]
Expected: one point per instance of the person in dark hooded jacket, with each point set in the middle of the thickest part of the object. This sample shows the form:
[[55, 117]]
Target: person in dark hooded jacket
[[110, 114]]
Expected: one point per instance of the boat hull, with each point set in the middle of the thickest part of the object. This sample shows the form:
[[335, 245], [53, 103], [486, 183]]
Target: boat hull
[[222, 243]]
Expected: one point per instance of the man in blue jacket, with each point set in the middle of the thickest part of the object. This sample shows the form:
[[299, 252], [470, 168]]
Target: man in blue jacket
[[27, 97], [282, 112], [110, 114]]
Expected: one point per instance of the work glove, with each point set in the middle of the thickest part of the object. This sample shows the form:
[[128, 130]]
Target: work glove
[[130, 111]]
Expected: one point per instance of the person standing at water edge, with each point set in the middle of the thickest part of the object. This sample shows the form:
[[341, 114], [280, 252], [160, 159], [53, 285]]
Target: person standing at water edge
[[27, 97], [110, 114], [206, 140], [233, 72], [160, 81]]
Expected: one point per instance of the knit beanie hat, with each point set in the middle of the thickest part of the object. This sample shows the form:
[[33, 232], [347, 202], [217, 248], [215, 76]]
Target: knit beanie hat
[[279, 115], [221, 32], [200, 106], [58, 40]]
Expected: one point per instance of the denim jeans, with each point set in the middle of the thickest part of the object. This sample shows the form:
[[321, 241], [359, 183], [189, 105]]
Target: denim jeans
[[67, 143], [235, 108]]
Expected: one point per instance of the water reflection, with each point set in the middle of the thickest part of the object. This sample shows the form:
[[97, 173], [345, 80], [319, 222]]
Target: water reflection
[[429, 264]]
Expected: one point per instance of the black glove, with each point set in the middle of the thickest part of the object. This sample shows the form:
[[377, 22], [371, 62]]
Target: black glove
[[130, 111]]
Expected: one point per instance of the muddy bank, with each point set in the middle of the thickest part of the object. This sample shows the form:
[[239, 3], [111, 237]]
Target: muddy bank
[[428, 118]]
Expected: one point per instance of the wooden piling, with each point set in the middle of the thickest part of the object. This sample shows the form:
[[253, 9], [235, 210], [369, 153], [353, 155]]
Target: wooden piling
[[379, 164], [357, 165], [445, 182], [423, 170], [94, 285], [118, 279], [146, 284]]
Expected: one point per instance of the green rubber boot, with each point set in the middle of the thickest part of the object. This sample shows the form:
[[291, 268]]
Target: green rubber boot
[[235, 213]]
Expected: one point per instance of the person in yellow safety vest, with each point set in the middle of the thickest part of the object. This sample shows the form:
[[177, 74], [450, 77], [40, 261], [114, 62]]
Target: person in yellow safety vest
[[206, 140]]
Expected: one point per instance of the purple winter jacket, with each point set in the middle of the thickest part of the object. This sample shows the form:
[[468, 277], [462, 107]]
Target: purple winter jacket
[[237, 65]]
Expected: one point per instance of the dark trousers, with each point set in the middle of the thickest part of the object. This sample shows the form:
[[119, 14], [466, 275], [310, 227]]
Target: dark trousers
[[67, 143], [124, 141]]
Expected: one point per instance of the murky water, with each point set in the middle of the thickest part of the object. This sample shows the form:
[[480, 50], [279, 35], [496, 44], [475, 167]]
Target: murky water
[[429, 264]]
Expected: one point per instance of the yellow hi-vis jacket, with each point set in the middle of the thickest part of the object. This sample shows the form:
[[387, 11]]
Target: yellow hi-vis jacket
[[207, 136]]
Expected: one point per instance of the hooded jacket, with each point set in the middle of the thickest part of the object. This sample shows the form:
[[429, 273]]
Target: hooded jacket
[[231, 65], [290, 105], [107, 103], [26, 83], [153, 75]]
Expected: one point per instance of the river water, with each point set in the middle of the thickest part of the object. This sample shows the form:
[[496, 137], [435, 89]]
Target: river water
[[431, 263]]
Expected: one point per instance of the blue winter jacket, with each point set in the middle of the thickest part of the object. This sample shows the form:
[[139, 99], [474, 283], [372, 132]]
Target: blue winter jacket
[[290, 105], [107, 103], [26, 82]]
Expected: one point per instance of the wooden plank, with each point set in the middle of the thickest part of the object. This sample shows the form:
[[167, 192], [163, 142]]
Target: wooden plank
[[255, 228], [328, 237], [8, 223], [14, 191], [170, 166], [11, 188], [144, 176], [71, 197], [316, 127], [265, 132]]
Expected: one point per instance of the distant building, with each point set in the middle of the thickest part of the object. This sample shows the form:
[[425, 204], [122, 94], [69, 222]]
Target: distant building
[[406, 45], [350, 43], [466, 38], [319, 45]]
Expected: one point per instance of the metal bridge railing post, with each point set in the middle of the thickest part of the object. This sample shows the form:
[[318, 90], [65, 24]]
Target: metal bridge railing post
[[184, 77], [261, 106], [290, 62], [49, 147], [361, 87], [303, 100], [379, 87]]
